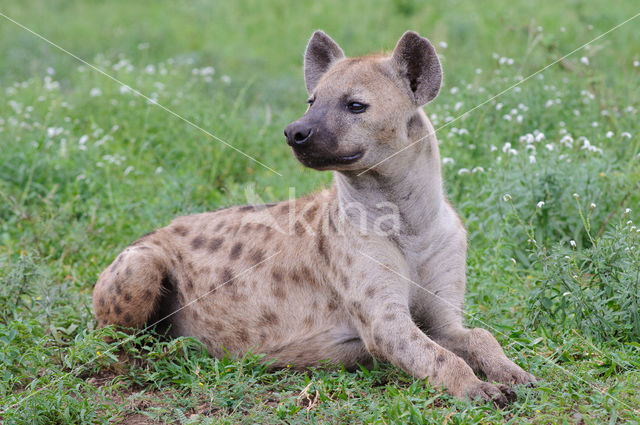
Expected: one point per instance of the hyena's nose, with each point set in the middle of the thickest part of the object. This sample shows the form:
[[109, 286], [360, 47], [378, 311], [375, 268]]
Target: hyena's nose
[[297, 134]]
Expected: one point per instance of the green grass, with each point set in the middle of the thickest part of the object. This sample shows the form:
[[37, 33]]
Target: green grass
[[82, 176]]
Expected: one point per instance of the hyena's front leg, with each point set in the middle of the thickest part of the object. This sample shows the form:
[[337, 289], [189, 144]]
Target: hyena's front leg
[[438, 308], [483, 353], [389, 333]]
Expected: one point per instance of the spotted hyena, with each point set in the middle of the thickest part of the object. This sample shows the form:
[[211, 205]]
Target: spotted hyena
[[373, 267]]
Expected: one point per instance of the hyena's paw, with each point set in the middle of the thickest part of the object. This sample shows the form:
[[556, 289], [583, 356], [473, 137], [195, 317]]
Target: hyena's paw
[[500, 395], [463, 383], [510, 373]]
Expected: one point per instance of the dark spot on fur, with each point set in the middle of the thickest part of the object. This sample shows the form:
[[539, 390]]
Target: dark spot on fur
[[299, 228], [235, 251], [345, 281], [269, 318], [377, 339], [256, 256], [356, 310], [197, 242], [128, 271], [295, 276], [128, 318], [118, 286], [332, 225], [440, 359], [284, 208], [117, 309], [220, 225], [181, 230], [148, 294], [334, 300], [322, 248], [156, 242], [127, 297], [415, 335], [101, 302], [307, 275], [310, 213], [189, 285], [226, 275], [243, 335], [278, 289], [214, 244], [245, 208], [277, 273], [402, 345], [348, 259], [370, 291]]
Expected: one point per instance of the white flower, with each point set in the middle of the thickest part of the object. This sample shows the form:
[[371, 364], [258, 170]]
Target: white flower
[[576, 196], [513, 260], [572, 243], [159, 170], [584, 60], [567, 140], [447, 160], [540, 204], [127, 170], [594, 124], [609, 134], [463, 171], [443, 44], [626, 134], [506, 197], [454, 90], [592, 206], [225, 79], [636, 63], [477, 170], [95, 92], [125, 89], [532, 159]]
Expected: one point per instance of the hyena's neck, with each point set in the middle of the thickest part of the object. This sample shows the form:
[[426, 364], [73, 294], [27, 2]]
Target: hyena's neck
[[408, 185]]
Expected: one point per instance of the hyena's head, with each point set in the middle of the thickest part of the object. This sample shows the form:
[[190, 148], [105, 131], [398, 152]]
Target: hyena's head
[[361, 110]]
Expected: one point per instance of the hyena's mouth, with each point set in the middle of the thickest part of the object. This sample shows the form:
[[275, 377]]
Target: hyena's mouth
[[319, 161]]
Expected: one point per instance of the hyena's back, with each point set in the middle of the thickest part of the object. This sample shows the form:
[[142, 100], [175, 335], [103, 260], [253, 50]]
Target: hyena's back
[[239, 281]]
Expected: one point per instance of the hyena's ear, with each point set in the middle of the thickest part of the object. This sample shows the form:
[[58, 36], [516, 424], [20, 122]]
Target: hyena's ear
[[321, 53], [416, 61]]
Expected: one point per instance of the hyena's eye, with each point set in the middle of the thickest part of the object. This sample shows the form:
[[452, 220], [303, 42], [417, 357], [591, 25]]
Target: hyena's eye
[[310, 101], [356, 107]]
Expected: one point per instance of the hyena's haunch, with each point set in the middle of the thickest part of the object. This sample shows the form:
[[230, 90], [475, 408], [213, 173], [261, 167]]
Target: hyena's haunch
[[315, 279]]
